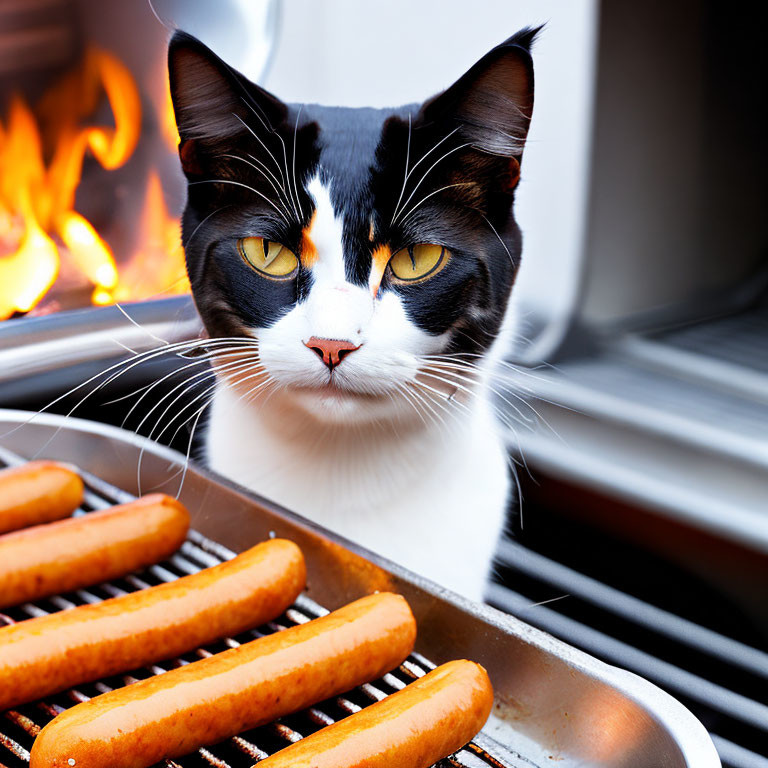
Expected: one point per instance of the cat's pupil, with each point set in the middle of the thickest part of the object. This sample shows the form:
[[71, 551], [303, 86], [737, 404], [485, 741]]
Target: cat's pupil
[[265, 246]]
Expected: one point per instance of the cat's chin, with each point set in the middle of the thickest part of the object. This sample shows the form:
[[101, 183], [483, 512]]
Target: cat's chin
[[333, 404]]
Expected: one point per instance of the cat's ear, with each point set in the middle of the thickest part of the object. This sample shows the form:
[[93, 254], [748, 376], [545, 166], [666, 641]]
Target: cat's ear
[[212, 102], [493, 101]]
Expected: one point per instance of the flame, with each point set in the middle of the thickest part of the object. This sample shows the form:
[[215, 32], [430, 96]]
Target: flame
[[168, 120], [159, 260], [28, 272], [41, 161], [21, 287], [89, 251]]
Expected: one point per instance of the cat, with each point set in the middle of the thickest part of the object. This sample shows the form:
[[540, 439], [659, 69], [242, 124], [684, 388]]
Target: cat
[[355, 268]]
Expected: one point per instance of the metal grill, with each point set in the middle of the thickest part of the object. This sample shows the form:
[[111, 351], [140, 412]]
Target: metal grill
[[720, 679], [19, 727]]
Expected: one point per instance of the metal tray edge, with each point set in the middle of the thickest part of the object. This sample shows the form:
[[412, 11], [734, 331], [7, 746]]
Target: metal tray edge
[[687, 733]]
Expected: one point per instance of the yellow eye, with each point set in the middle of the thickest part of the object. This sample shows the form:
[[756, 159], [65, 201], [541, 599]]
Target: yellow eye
[[268, 257], [418, 262]]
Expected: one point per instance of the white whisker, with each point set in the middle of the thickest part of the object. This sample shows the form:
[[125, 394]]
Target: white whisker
[[253, 133], [487, 221], [406, 396], [186, 387], [422, 159], [495, 392], [118, 369], [189, 449], [432, 194], [428, 171], [186, 382], [239, 184], [195, 230], [115, 371], [133, 322], [285, 153], [147, 388], [419, 395], [263, 173], [293, 160], [407, 163]]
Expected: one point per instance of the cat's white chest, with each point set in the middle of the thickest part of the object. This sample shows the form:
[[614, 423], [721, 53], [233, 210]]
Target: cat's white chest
[[433, 500]]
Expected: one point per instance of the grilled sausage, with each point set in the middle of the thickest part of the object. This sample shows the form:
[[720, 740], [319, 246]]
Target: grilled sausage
[[37, 492], [413, 728], [48, 654], [80, 551], [212, 699]]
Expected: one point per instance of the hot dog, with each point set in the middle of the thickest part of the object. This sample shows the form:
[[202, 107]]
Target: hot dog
[[413, 728], [80, 551], [212, 699], [37, 492], [44, 655]]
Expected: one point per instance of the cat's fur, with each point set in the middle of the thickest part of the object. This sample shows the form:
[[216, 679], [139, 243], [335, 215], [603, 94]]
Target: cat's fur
[[393, 448]]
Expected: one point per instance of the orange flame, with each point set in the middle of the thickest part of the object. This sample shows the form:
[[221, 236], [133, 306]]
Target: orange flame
[[168, 121], [159, 259], [41, 160], [26, 274]]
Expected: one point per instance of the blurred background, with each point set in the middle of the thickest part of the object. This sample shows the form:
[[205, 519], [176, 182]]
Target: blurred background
[[637, 392]]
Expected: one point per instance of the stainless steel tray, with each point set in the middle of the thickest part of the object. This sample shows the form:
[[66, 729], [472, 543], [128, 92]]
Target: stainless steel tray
[[554, 704]]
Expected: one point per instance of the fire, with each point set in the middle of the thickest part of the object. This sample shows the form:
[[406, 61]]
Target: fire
[[168, 121], [41, 160], [28, 273], [159, 260], [21, 289]]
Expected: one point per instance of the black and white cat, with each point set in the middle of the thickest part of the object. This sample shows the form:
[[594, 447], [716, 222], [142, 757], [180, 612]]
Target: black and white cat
[[361, 262]]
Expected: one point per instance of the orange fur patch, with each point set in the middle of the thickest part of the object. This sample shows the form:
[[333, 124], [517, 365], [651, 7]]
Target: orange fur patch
[[514, 175], [379, 260], [308, 248]]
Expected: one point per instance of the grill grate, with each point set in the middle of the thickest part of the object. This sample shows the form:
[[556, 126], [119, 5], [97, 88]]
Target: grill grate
[[19, 727], [720, 679]]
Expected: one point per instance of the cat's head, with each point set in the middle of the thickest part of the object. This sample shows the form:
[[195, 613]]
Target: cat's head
[[357, 246]]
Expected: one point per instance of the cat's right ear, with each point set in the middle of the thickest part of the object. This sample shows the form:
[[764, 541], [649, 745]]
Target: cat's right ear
[[492, 103], [214, 104]]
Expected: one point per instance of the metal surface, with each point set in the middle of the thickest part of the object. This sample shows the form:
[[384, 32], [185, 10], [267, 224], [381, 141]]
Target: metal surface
[[662, 438], [728, 354], [739, 339], [42, 356], [682, 245], [554, 704], [721, 679], [198, 552]]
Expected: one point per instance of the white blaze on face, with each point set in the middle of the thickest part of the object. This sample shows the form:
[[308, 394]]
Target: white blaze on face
[[389, 343], [326, 231], [335, 309]]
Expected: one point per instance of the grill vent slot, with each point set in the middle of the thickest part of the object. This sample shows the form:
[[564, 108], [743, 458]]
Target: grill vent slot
[[721, 680]]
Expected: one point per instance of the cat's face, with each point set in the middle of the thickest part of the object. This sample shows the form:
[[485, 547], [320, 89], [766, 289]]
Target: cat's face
[[357, 246]]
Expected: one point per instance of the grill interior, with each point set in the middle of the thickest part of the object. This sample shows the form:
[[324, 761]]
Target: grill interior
[[641, 613], [19, 727]]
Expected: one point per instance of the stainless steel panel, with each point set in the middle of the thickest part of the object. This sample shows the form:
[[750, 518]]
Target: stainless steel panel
[[554, 704], [41, 357]]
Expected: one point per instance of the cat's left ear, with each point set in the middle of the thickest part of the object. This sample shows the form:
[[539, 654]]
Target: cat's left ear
[[214, 104], [493, 101]]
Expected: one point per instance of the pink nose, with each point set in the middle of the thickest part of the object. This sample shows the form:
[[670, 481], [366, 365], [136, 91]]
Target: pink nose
[[331, 351]]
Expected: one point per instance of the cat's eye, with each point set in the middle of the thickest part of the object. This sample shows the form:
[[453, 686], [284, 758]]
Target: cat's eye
[[418, 262], [268, 257]]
